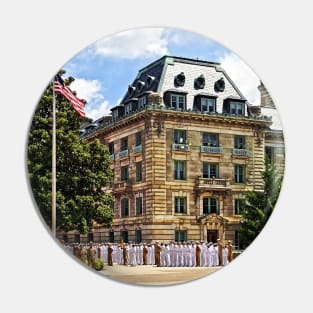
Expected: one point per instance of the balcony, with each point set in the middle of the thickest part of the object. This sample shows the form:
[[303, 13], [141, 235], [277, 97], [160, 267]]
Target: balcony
[[137, 149], [123, 154], [210, 149], [112, 157], [212, 183], [241, 152], [180, 147], [121, 187]]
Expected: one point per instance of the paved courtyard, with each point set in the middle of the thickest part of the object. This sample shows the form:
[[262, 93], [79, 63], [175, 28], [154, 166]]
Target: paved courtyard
[[151, 275]]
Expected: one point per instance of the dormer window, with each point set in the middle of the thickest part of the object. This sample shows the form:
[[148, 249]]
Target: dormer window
[[140, 85], [175, 99], [219, 85], [199, 82], [142, 101], [131, 90], [179, 80], [128, 108], [150, 80], [236, 108], [207, 104], [178, 102]]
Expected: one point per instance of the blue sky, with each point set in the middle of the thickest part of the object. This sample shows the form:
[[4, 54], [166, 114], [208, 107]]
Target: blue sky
[[103, 70]]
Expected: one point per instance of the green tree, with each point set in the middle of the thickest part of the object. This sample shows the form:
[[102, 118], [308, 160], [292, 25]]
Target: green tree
[[258, 206], [83, 168]]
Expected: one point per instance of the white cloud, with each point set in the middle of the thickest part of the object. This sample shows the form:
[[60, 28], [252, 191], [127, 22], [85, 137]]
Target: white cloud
[[242, 75], [132, 44], [99, 110], [86, 89], [89, 90]]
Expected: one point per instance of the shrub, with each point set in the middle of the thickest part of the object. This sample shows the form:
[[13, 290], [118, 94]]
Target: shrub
[[99, 265]]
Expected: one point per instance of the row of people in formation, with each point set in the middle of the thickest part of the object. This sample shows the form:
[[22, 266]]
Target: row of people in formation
[[174, 254]]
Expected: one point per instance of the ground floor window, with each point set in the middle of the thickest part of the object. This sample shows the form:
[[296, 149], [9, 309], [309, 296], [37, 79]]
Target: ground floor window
[[138, 236], [180, 235], [65, 238], [124, 235], [90, 237], [111, 236], [238, 244], [77, 238]]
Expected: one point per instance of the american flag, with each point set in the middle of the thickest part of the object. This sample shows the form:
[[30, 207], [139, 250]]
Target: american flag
[[61, 88]]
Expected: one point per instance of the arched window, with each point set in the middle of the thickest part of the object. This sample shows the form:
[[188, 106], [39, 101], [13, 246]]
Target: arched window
[[210, 205], [124, 207]]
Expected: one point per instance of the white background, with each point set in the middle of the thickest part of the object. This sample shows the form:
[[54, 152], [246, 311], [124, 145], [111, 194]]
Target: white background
[[274, 38]]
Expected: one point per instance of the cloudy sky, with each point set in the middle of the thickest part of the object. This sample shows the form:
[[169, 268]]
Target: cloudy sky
[[103, 70]]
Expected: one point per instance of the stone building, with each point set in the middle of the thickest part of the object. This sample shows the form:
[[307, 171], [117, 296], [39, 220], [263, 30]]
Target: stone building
[[185, 145]]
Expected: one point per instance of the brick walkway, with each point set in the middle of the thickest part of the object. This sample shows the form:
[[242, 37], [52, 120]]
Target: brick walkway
[[151, 275]]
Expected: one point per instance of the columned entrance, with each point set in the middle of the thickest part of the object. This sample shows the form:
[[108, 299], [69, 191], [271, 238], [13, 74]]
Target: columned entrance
[[212, 235]]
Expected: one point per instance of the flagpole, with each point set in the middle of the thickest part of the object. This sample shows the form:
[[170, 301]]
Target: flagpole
[[53, 213]]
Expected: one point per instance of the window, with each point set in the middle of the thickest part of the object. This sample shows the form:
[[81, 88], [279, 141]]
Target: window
[[89, 237], [139, 206], [128, 108], [138, 236], [180, 235], [238, 206], [181, 205], [269, 154], [210, 206], [138, 171], [124, 235], [210, 170], [142, 102], [239, 174], [236, 108], [111, 236], [77, 238], [124, 144], [138, 139], [111, 148], [178, 102], [124, 173], [239, 142], [65, 238], [124, 207], [179, 170], [179, 136], [210, 140], [238, 244], [207, 104]]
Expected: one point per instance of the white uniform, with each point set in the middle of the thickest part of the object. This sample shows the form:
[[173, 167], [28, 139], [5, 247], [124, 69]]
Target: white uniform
[[132, 255], [225, 254]]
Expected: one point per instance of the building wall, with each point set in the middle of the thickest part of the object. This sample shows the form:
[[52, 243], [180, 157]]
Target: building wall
[[159, 188]]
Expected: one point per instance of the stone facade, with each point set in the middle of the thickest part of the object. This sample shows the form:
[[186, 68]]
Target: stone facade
[[166, 189]]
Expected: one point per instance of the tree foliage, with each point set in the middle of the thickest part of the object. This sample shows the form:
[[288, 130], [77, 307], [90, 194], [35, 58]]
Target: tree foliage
[[83, 169], [258, 206]]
